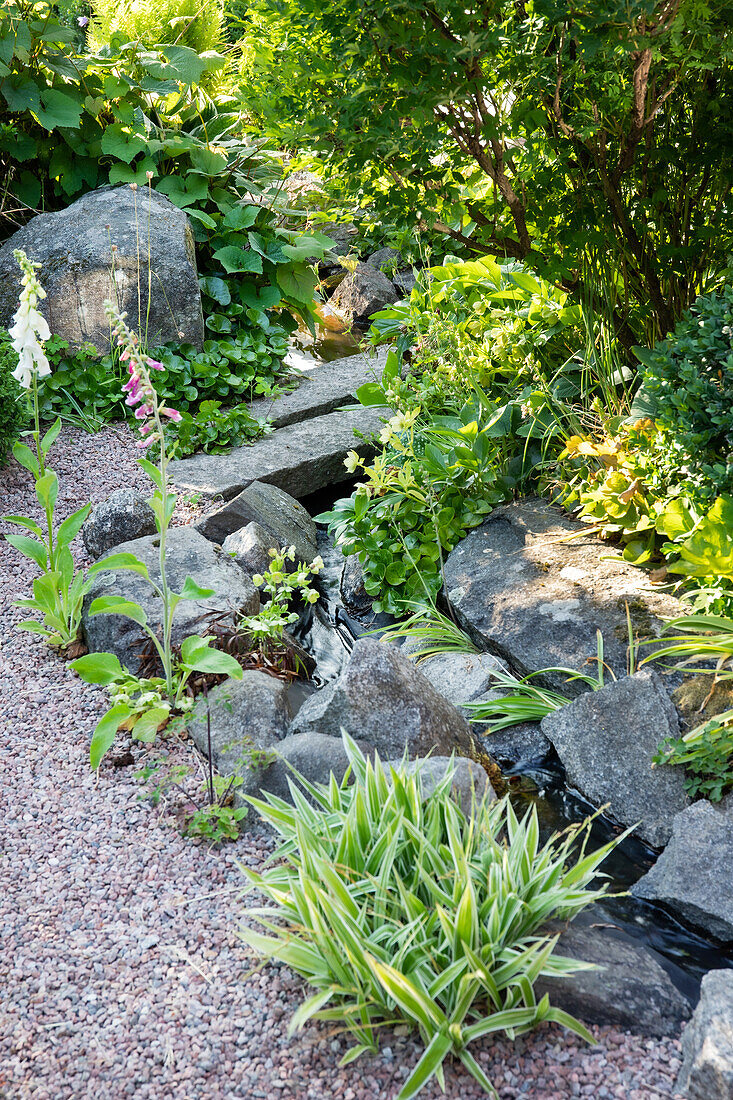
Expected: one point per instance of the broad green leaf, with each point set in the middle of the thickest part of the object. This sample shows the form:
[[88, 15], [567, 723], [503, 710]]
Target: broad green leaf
[[193, 591], [106, 731], [146, 727], [235, 259], [116, 605], [97, 668], [31, 548], [72, 525]]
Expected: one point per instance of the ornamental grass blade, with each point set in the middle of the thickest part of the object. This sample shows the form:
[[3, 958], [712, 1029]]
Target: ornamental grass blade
[[476, 1072], [413, 1002], [435, 1052]]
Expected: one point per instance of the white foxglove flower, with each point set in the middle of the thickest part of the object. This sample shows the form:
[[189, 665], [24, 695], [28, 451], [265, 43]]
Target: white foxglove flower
[[29, 328]]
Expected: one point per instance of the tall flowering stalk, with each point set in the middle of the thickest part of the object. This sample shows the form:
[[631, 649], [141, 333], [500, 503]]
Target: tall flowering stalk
[[151, 412], [28, 332]]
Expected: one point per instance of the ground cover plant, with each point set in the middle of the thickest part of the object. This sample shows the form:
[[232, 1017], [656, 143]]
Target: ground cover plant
[[396, 907]]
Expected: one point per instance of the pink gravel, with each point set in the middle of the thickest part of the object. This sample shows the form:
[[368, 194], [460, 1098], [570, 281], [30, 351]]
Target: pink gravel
[[121, 973]]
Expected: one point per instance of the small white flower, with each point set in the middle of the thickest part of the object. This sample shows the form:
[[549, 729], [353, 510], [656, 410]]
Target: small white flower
[[29, 327]]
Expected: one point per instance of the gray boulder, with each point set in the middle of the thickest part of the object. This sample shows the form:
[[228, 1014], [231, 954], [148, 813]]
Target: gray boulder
[[707, 1042], [459, 677], [606, 741], [518, 746], [385, 259], [282, 517], [692, 877], [73, 247], [124, 515], [523, 588], [470, 782], [361, 293], [628, 990], [250, 547], [188, 553], [245, 715], [383, 698], [314, 756], [405, 281], [343, 234]]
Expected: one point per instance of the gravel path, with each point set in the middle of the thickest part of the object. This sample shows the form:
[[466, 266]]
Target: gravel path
[[120, 971]]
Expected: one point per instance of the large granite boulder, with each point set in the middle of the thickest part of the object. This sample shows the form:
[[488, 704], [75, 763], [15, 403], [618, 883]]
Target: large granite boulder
[[124, 515], [188, 554], [245, 715], [629, 988], [692, 876], [79, 271], [383, 698], [284, 519], [528, 587], [361, 293], [606, 741], [707, 1042]]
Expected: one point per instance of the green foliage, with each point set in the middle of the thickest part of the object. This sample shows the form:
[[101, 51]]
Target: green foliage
[[14, 412], [708, 553], [197, 25], [520, 701], [59, 591], [77, 121], [572, 137], [429, 633], [706, 753], [216, 821], [434, 481], [282, 582], [242, 363], [213, 430], [397, 907], [687, 387]]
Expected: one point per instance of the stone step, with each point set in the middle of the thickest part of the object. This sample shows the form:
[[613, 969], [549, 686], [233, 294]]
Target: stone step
[[299, 458], [324, 388]]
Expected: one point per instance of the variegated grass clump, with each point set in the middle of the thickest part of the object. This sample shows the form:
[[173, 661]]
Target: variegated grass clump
[[398, 908]]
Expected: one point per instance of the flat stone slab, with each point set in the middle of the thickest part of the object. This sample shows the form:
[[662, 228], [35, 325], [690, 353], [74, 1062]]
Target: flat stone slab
[[707, 1042], [323, 388], [526, 592], [300, 458], [692, 877], [629, 989], [606, 741]]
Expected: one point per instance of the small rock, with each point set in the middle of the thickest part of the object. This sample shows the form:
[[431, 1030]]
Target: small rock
[[518, 746], [470, 782], [250, 547], [251, 713], [284, 519], [361, 293], [692, 876], [315, 756], [405, 281], [459, 677], [124, 515], [607, 740], [382, 697], [354, 595], [707, 1042], [385, 259]]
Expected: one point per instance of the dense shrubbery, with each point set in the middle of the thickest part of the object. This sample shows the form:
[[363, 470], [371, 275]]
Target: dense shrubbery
[[198, 25]]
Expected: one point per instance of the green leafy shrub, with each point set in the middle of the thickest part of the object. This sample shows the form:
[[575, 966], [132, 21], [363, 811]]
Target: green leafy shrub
[[198, 24], [395, 906], [687, 387], [706, 754], [14, 413]]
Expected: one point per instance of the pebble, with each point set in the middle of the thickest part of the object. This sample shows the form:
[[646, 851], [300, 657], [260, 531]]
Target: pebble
[[123, 976]]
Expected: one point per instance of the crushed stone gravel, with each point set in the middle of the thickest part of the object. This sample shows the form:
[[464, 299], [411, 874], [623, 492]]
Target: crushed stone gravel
[[120, 969]]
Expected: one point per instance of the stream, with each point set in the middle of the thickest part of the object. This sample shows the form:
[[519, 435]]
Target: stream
[[328, 632]]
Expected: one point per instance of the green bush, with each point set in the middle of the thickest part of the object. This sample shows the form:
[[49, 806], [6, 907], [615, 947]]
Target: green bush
[[14, 413], [687, 386], [198, 24], [396, 906]]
